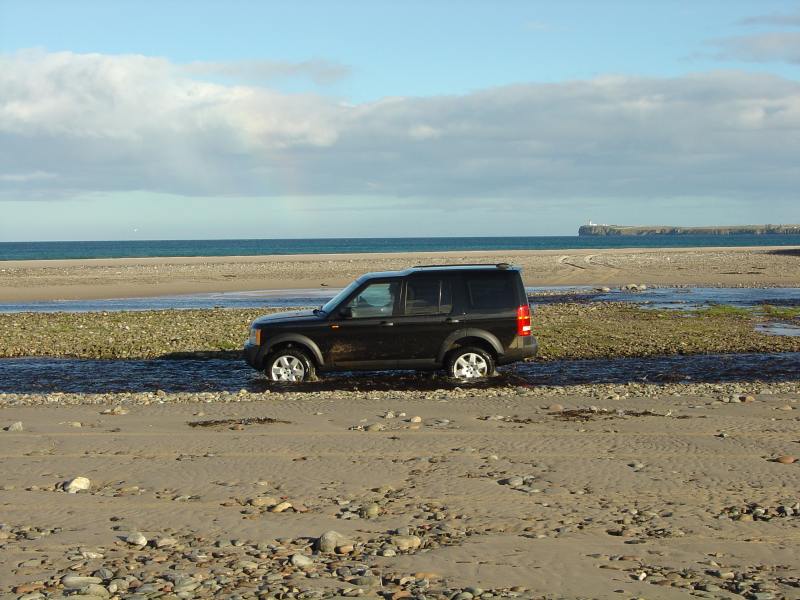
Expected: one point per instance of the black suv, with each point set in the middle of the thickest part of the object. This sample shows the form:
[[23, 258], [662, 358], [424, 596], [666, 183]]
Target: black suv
[[463, 318]]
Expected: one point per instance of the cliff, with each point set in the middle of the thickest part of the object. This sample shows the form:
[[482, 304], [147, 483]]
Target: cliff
[[589, 230]]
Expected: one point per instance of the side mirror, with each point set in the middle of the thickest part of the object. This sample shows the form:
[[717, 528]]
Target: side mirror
[[346, 312]]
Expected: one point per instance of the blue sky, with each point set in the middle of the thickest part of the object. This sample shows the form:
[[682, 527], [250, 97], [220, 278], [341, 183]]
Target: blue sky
[[305, 119]]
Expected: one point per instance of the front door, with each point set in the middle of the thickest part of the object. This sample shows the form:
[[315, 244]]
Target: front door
[[366, 337]]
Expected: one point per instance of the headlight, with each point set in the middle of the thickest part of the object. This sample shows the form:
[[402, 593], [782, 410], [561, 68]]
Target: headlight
[[255, 336]]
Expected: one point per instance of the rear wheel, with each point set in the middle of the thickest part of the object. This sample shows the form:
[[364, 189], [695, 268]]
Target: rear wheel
[[290, 365], [470, 363]]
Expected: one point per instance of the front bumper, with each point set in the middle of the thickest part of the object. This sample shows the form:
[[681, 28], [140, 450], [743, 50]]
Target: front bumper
[[253, 355]]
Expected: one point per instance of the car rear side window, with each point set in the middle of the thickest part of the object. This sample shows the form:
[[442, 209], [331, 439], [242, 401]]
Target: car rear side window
[[491, 293], [427, 296]]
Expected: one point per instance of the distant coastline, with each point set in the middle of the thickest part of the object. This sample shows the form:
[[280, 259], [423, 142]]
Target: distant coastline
[[636, 230]]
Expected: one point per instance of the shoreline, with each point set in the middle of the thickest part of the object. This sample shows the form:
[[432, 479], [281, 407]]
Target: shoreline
[[85, 279]]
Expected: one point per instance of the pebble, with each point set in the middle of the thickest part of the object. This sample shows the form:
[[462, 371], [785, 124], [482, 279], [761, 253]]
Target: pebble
[[331, 540], [279, 508], [262, 501], [786, 459], [301, 560], [136, 539], [78, 581], [406, 542], [77, 484], [15, 426]]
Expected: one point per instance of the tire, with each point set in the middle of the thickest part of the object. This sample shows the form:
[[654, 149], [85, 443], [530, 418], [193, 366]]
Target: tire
[[470, 363], [289, 365]]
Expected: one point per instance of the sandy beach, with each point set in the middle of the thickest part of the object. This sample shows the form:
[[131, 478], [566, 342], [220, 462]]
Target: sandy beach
[[583, 492], [119, 278], [520, 490]]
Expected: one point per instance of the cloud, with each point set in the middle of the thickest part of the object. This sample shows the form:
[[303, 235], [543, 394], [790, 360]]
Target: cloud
[[773, 19], [776, 46], [321, 72], [100, 123]]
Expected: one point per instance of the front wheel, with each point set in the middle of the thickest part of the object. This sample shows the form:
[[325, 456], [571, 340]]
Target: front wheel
[[470, 363], [290, 365]]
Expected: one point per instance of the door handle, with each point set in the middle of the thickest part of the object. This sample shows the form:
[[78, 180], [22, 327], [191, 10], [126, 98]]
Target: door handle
[[451, 320], [387, 324]]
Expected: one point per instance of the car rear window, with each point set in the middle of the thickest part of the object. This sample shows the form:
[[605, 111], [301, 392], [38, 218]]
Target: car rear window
[[427, 296], [487, 292]]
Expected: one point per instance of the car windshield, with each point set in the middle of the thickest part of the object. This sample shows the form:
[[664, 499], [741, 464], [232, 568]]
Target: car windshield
[[338, 298]]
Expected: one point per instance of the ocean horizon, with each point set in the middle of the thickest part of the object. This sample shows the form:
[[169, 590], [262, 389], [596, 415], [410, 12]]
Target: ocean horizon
[[256, 247]]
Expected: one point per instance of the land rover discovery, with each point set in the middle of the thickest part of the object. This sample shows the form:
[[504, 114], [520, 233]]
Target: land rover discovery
[[465, 319]]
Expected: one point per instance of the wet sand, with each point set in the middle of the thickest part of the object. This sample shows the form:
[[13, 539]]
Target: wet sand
[[639, 496], [119, 278]]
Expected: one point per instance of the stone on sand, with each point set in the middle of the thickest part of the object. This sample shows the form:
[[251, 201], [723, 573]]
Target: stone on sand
[[77, 484]]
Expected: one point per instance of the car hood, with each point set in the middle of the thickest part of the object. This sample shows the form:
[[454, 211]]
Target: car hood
[[291, 316]]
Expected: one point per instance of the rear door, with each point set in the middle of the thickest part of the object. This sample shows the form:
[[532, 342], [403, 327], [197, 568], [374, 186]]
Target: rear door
[[427, 317]]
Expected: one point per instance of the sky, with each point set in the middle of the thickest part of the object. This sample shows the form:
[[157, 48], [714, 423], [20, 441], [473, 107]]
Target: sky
[[259, 119]]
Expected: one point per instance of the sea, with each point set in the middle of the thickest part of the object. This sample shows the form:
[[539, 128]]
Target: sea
[[255, 247]]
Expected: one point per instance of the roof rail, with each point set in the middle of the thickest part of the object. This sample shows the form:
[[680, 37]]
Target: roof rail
[[497, 265]]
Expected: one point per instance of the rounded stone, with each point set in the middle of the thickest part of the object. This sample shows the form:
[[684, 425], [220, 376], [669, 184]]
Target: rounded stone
[[330, 540], [301, 560], [136, 538], [786, 459], [77, 484]]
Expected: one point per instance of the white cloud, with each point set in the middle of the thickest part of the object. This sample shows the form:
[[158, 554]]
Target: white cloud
[[775, 46], [123, 123], [322, 72]]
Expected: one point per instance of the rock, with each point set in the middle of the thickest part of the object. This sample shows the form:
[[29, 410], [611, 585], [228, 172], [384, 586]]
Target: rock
[[77, 484], [415, 419], [366, 581], [371, 511], [279, 508], [301, 560], [166, 542], [15, 426], [260, 501], [375, 427], [136, 538], [786, 459], [330, 540], [514, 481], [555, 408], [76, 582], [95, 590], [406, 542]]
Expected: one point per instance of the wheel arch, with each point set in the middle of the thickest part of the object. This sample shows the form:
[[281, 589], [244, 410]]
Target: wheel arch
[[293, 340], [470, 337]]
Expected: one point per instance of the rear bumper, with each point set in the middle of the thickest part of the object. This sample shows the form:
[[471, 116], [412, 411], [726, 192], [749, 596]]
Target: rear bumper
[[521, 349]]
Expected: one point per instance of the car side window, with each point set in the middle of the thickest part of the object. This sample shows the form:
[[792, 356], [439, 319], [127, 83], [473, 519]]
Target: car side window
[[491, 293], [429, 296], [375, 300], [422, 297]]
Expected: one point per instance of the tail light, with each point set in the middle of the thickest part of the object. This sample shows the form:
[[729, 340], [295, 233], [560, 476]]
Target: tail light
[[524, 320]]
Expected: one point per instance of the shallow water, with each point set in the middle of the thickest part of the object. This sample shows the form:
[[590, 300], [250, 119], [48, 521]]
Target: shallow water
[[779, 328], [660, 298], [46, 375]]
